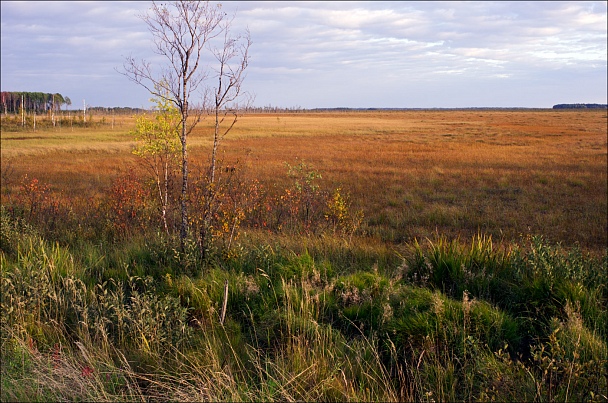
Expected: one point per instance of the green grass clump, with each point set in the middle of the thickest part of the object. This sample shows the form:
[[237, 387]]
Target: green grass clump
[[533, 283]]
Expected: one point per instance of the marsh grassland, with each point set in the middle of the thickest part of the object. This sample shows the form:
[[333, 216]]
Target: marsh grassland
[[373, 255]]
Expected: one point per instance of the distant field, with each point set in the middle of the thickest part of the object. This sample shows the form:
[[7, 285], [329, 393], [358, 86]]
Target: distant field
[[413, 173]]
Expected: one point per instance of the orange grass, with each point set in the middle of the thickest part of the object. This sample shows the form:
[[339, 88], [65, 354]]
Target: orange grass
[[413, 173]]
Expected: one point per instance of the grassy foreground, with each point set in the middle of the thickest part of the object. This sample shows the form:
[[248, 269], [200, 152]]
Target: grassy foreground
[[410, 272], [308, 320]]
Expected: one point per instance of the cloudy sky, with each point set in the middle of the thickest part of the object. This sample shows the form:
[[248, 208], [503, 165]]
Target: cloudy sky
[[332, 54]]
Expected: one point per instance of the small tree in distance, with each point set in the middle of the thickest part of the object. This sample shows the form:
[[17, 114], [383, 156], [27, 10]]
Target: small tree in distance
[[182, 33]]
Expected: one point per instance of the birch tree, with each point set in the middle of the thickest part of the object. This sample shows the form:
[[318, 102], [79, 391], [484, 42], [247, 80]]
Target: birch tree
[[182, 32], [232, 57], [157, 144]]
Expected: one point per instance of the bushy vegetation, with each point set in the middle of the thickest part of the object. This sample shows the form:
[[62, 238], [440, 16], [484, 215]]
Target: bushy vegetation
[[122, 314]]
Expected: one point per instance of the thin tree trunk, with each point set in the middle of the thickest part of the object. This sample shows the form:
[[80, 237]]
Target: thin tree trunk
[[184, 201], [165, 201]]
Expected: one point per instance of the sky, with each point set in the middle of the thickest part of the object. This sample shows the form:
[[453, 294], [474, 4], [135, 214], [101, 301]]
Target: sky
[[330, 54]]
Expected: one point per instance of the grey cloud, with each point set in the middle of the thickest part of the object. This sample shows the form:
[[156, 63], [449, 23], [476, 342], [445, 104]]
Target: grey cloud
[[365, 53]]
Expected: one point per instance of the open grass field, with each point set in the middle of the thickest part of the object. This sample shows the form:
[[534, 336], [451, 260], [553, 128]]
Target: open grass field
[[413, 173], [357, 256]]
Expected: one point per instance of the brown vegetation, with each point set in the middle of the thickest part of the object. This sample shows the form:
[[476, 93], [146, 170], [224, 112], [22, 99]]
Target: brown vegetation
[[413, 173]]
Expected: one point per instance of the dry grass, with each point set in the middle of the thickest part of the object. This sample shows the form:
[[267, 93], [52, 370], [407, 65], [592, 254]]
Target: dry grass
[[414, 173], [456, 172]]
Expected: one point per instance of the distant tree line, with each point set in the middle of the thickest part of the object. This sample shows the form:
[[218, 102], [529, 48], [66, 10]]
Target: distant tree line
[[580, 106], [14, 101], [117, 110]]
